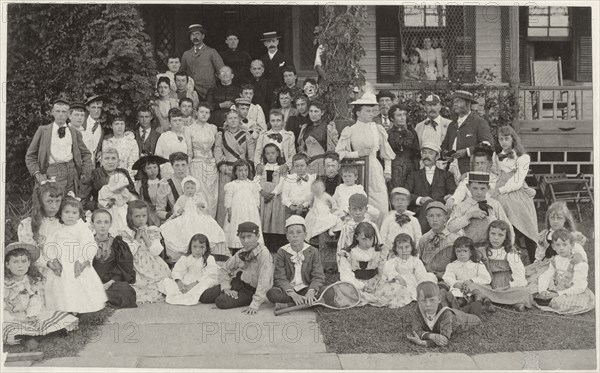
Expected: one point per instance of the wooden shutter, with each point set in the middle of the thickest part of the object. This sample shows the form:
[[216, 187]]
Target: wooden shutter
[[388, 44], [582, 36]]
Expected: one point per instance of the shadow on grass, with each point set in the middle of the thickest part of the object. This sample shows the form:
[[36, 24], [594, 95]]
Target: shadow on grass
[[61, 344]]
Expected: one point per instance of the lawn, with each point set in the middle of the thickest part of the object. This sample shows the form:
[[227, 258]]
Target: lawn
[[60, 344], [382, 330]]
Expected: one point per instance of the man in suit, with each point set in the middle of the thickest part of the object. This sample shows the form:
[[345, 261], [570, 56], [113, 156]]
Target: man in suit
[[274, 60], [386, 100], [92, 128], [429, 184], [201, 62], [465, 132], [145, 135], [434, 128], [57, 151]]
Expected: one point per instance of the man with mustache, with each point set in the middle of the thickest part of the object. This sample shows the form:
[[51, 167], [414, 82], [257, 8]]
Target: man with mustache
[[386, 100], [433, 129], [429, 184], [201, 62], [274, 60]]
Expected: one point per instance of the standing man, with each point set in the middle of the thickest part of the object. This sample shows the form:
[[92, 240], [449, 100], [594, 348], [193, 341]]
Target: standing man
[[434, 128], [465, 132], [57, 151], [238, 60], [201, 62], [93, 133], [146, 136], [274, 60], [385, 99]]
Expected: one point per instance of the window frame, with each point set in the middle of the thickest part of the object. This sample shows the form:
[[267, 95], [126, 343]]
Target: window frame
[[549, 27]]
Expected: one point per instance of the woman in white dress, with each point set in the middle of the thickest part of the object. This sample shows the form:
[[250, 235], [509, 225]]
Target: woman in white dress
[[431, 58], [366, 138], [124, 142], [172, 141], [202, 138]]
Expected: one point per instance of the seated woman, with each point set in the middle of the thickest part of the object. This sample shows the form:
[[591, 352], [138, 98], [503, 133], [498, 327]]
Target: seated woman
[[113, 263], [298, 274]]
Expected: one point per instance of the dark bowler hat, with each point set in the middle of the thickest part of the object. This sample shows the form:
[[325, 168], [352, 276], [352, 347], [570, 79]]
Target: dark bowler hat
[[94, 98], [385, 93], [61, 101], [77, 105], [467, 96], [196, 27], [248, 227], [479, 177], [270, 35]]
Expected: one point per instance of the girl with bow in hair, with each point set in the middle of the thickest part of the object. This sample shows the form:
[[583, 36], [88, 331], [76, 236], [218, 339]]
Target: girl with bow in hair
[[72, 283]]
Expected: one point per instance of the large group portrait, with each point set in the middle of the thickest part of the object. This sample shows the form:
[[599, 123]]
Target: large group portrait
[[381, 186]]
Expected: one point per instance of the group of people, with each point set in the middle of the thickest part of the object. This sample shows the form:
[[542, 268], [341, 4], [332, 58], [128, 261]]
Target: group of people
[[224, 202]]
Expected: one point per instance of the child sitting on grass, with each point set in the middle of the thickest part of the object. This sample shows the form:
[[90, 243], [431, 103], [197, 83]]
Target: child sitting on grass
[[566, 283], [432, 324], [25, 313]]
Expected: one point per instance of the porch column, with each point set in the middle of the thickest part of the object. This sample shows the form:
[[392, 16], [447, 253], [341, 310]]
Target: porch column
[[295, 52], [513, 21]]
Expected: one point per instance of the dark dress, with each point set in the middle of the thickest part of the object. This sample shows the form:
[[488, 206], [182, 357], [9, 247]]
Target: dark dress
[[405, 145], [117, 265], [239, 61]]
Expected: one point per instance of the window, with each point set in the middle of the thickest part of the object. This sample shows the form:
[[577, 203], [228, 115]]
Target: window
[[548, 22], [425, 43]]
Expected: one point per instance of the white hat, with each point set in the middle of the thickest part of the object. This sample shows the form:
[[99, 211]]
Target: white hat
[[189, 178], [366, 99], [432, 146], [295, 220]]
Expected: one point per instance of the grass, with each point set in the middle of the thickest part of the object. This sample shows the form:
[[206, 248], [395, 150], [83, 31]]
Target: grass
[[59, 344], [383, 330]]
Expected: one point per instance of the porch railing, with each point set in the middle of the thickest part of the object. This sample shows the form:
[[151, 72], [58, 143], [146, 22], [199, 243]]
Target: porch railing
[[555, 102]]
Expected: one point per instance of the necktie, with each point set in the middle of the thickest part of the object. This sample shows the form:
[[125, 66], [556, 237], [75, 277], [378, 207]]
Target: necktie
[[275, 136], [180, 138], [61, 131], [432, 124], [144, 134], [246, 256], [483, 206], [402, 219], [95, 127], [385, 121], [302, 178], [435, 241]]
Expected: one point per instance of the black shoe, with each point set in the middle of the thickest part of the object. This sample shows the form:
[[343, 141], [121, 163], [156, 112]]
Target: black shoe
[[488, 306]]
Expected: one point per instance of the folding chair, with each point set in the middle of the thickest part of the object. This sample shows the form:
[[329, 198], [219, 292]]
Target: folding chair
[[549, 74], [558, 187]]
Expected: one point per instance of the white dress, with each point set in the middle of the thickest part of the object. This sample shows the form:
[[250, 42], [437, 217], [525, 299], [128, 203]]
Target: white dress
[[342, 195], [412, 272], [48, 225], [168, 143], [370, 135], [458, 271], [85, 293], [129, 151], [189, 269], [243, 197], [178, 231], [320, 218], [118, 211]]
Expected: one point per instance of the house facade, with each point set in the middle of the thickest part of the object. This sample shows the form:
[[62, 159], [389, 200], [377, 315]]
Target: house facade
[[555, 118]]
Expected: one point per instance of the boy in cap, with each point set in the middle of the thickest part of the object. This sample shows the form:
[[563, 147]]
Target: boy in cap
[[399, 221], [437, 240], [298, 273], [475, 213], [430, 183], [251, 115], [358, 212], [201, 62], [251, 275], [434, 128]]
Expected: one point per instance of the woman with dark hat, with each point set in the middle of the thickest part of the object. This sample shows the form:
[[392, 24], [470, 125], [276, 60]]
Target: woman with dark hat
[[148, 168], [405, 144]]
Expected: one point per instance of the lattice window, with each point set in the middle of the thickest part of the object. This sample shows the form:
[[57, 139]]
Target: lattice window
[[165, 37], [425, 43], [549, 22]]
